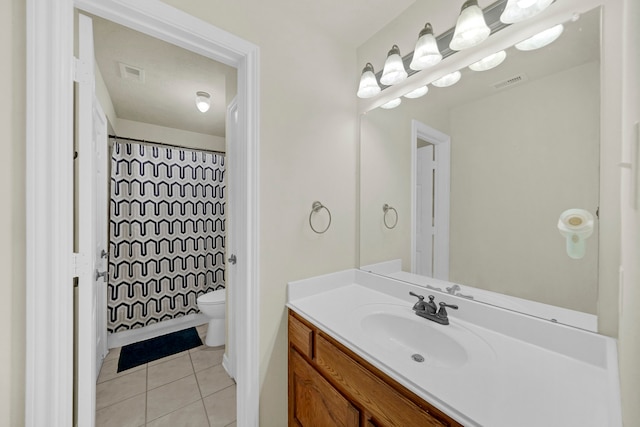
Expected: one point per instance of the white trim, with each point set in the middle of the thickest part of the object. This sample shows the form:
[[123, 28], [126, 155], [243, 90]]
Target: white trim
[[118, 339], [49, 207], [49, 369], [442, 147], [234, 234]]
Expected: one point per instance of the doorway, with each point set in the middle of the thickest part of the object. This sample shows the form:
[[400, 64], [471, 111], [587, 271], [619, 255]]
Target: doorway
[[49, 122], [430, 183]]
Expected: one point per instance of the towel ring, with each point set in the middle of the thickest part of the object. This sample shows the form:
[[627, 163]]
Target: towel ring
[[386, 208], [315, 208]]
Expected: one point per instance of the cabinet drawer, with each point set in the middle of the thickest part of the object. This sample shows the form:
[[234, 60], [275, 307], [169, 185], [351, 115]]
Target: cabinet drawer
[[313, 402], [387, 407], [301, 336]]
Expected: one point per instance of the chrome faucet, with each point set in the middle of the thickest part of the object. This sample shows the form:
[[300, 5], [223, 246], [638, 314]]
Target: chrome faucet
[[452, 289], [429, 310]]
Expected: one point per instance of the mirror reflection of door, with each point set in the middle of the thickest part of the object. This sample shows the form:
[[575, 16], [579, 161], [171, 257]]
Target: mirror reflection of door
[[425, 207], [431, 157]]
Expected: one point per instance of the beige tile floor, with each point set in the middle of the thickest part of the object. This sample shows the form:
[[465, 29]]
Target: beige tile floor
[[188, 389]]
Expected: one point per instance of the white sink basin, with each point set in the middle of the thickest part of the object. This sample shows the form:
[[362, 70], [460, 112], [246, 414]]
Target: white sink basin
[[397, 330]]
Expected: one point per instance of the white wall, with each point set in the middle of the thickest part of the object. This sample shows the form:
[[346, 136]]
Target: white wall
[[102, 93], [307, 152], [629, 335], [519, 158], [155, 133], [385, 177]]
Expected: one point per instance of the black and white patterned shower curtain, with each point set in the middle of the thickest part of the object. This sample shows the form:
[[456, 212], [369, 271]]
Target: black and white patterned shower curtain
[[166, 233]]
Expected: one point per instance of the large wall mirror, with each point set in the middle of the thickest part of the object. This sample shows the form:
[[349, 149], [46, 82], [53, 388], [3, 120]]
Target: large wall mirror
[[475, 178]]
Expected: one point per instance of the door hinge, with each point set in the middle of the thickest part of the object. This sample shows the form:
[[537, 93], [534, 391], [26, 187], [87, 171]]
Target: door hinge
[[80, 71], [79, 264]]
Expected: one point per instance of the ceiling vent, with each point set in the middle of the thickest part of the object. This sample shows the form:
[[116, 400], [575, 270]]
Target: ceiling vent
[[511, 81], [129, 72]]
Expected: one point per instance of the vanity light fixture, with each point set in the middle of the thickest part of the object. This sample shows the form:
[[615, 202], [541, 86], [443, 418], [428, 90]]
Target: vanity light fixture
[[368, 83], [541, 39], [448, 79], [489, 62], [426, 53], [519, 10], [391, 104], [471, 28], [394, 71], [417, 93], [203, 101]]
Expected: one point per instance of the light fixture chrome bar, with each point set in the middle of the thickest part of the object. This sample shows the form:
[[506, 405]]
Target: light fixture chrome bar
[[492, 17]]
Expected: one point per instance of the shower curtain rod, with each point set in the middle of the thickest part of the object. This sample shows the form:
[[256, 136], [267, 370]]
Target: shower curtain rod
[[124, 138]]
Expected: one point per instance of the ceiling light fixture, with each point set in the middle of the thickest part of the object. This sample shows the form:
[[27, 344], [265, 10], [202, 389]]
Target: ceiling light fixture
[[394, 71], [391, 104], [471, 28], [417, 93], [519, 10], [448, 79], [541, 39], [368, 83], [426, 53], [203, 101], [489, 62]]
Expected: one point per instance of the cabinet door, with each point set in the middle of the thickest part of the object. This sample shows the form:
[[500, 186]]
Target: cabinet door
[[389, 408], [313, 402]]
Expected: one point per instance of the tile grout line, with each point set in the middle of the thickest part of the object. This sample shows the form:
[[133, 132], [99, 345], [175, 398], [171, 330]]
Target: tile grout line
[[199, 389]]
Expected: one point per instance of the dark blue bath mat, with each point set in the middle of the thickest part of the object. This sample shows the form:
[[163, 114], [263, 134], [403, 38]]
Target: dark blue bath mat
[[142, 352]]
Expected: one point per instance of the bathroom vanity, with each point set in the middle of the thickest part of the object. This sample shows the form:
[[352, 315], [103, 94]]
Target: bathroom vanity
[[331, 385], [359, 356]]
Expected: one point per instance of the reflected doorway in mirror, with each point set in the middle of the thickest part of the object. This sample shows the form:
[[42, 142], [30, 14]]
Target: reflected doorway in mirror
[[430, 152]]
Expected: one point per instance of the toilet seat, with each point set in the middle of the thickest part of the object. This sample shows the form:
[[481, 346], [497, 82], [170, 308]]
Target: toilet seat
[[215, 297]]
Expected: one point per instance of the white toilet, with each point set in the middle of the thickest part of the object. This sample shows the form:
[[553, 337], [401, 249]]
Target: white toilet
[[212, 304]]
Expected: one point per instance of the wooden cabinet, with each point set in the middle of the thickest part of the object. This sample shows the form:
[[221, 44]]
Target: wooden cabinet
[[331, 386]]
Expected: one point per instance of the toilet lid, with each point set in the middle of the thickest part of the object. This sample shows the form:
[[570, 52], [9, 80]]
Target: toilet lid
[[212, 297]]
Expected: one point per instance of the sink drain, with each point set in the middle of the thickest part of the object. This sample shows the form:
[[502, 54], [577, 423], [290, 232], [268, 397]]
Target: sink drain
[[417, 358]]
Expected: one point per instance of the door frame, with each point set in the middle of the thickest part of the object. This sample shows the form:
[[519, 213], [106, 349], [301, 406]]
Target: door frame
[[50, 262], [442, 147]]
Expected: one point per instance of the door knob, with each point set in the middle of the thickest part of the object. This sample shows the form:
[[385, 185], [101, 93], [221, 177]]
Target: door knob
[[232, 259]]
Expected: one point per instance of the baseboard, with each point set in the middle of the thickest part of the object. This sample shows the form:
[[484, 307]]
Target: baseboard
[[118, 339]]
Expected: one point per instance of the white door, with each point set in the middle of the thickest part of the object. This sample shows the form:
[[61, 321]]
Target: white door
[[90, 266], [431, 159], [234, 233], [101, 243], [425, 171]]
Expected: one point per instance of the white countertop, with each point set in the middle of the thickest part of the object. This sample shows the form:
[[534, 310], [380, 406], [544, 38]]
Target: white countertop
[[521, 372]]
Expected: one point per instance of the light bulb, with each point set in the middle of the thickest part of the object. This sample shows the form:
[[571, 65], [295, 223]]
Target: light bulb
[[394, 71], [448, 80], [391, 104], [368, 83], [203, 101], [489, 62], [471, 28], [541, 39], [417, 93], [426, 52], [519, 10]]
